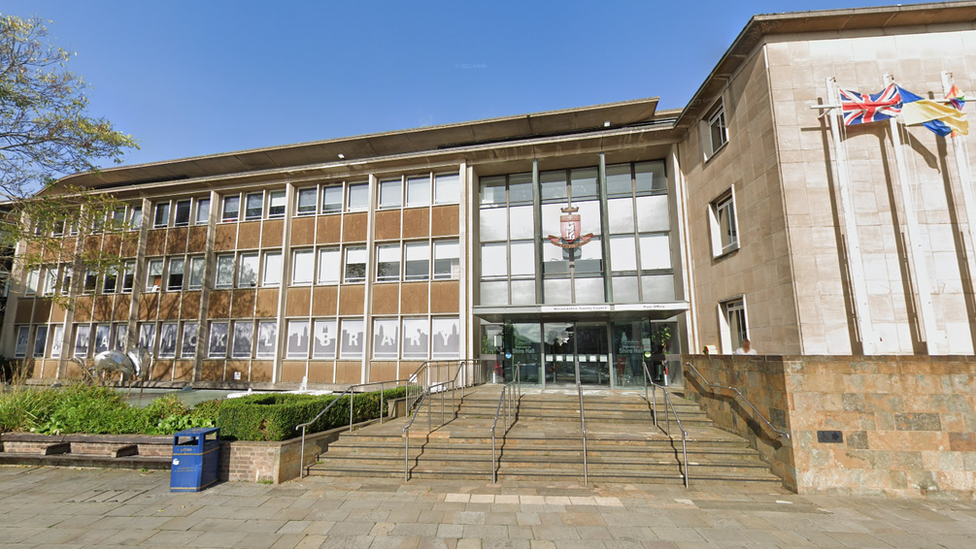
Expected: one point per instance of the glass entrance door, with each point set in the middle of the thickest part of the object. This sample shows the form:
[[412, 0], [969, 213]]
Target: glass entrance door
[[576, 351]]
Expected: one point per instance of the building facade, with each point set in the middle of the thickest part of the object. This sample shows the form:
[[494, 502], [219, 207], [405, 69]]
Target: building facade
[[563, 245]]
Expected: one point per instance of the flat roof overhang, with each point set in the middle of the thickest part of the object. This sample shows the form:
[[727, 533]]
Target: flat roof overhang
[[619, 312]]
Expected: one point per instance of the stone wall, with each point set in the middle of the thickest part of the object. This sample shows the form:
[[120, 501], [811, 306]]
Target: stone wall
[[907, 423]]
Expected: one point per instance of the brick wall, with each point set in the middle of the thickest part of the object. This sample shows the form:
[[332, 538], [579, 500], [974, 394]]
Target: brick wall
[[907, 422]]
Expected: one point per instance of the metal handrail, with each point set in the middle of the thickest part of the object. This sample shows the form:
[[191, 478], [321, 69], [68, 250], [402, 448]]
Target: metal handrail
[[579, 390], [667, 418], [427, 395], [742, 396], [511, 413]]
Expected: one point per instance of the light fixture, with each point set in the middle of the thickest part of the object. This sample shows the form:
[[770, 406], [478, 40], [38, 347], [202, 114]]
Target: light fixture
[[606, 123], [341, 156]]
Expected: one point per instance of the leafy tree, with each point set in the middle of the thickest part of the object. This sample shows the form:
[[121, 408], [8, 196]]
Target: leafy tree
[[47, 133]]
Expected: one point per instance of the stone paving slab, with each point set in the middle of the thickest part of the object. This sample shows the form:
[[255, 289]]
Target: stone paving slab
[[60, 507]]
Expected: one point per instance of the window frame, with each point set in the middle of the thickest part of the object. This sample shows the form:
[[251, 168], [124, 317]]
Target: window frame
[[169, 274], [346, 279], [272, 195], [176, 213], [725, 201], [726, 307], [298, 201], [167, 208], [224, 218], [260, 200], [716, 115]]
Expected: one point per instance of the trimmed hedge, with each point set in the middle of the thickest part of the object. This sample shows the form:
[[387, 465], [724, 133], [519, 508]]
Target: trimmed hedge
[[273, 417]]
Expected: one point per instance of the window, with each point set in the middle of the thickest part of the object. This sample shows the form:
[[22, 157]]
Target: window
[[732, 324], [57, 340], [168, 332], [243, 339], [445, 338], [176, 267], [188, 348], [121, 337], [161, 217], [135, 218], [351, 346], [203, 211], [147, 336], [725, 231], [417, 261], [385, 342], [33, 280], [50, 280], [128, 277], [66, 280], [82, 340], [111, 280], [182, 214], [267, 338], [718, 132], [58, 228], [297, 346], [196, 273], [247, 275], [447, 188], [23, 334], [253, 206], [418, 191], [306, 201], [272, 269], [390, 193], [416, 338], [358, 197], [232, 208], [91, 280], [387, 262], [225, 271], [332, 199], [355, 265], [447, 257], [276, 204], [302, 267], [40, 341], [324, 339], [103, 333], [218, 340], [154, 275], [117, 217], [330, 265]]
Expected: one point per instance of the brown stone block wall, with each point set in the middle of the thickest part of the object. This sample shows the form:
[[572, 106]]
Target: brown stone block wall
[[233, 366], [42, 309], [293, 371], [148, 304], [83, 308], [122, 304], [242, 304], [386, 299], [101, 312], [382, 371], [351, 300], [156, 242], [325, 299], [169, 306], [321, 372], [24, 309], [329, 229], [219, 304], [347, 372], [176, 241], [212, 370], [190, 305], [197, 241], [162, 370], [444, 297], [388, 225], [354, 227], [445, 220], [296, 302], [272, 233], [249, 235], [302, 231], [261, 371], [182, 370], [416, 223], [226, 236], [413, 298], [267, 302]]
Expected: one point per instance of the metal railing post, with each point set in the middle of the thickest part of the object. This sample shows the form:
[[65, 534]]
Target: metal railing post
[[406, 454], [302, 474], [381, 404], [352, 396]]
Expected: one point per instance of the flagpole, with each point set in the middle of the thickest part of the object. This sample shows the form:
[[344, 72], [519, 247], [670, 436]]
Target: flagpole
[[965, 177], [859, 287], [923, 284]]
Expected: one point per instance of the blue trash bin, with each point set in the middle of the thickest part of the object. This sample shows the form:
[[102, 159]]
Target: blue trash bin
[[196, 456]]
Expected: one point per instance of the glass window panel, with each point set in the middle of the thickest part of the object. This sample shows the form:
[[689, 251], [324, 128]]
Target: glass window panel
[[276, 204], [154, 275], [203, 211], [523, 258], [418, 191], [446, 337], [658, 288], [625, 289], [121, 337], [330, 265], [355, 265], [324, 342], [416, 338], [417, 261], [523, 292], [243, 339], [590, 258], [66, 278], [302, 267], [390, 193], [621, 212], [135, 219], [494, 260], [388, 262], [493, 190], [618, 180], [161, 217], [176, 268], [91, 280], [652, 213], [520, 188], [247, 276], [182, 213], [447, 188], [446, 259], [583, 183], [332, 199], [298, 338], [218, 340], [232, 208], [358, 197], [650, 177], [188, 348], [494, 224], [23, 338], [553, 185], [51, 281], [385, 342], [557, 290], [33, 280], [57, 341], [494, 292], [589, 290], [655, 251], [623, 253], [306, 201], [589, 212], [108, 285], [147, 336], [40, 341], [351, 346], [272, 269], [196, 272], [128, 276], [267, 338], [521, 225], [82, 341], [168, 332], [225, 271]]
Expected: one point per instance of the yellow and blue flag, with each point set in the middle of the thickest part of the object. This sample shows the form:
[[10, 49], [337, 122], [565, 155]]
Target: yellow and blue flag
[[940, 118]]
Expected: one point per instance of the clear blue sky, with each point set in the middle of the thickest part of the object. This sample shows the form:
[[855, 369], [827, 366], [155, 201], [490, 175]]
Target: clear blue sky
[[193, 78]]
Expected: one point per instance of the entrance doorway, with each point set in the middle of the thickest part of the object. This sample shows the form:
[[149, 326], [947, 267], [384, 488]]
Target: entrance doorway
[[576, 351]]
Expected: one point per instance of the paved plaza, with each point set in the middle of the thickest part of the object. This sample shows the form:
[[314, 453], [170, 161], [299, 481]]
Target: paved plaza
[[59, 507]]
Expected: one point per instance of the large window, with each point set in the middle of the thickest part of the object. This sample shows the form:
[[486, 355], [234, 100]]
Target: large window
[[128, 277], [717, 131], [387, 262], [272, 269], [276, 204], [176, 267], [232, 208], [154, 275], [351, 346], [188, 348], [355, 265], [218, 340], [332, 199], [358, 197], [330, 265], [267, 339], [417, 259], [418, 191], [243, 339], [724, 225], [196, 273], [247, 276], [302, 267], [182, 213], [82, 341], [732, 324], [391, 193], [203, 211], [306, 201], [447, 259], [225, 271], [161, 215], [168, 334], [40, 341], [253, 206], [385, 334], [447, 188], [298, 338]]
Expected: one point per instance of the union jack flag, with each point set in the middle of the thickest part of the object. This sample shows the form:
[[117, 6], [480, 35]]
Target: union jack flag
[[860, 108]]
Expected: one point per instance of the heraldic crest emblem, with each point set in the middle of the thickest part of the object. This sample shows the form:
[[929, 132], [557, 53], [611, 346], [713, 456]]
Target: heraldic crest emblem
[[569, 229]]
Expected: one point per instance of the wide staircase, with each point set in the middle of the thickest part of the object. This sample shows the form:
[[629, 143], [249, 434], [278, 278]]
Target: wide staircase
[[545, 442]]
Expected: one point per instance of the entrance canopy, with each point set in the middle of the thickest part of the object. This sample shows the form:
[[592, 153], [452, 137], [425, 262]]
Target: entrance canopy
[[597, 311]]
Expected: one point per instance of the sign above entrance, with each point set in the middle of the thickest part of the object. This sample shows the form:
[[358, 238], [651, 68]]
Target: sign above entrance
[[570, 228]]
